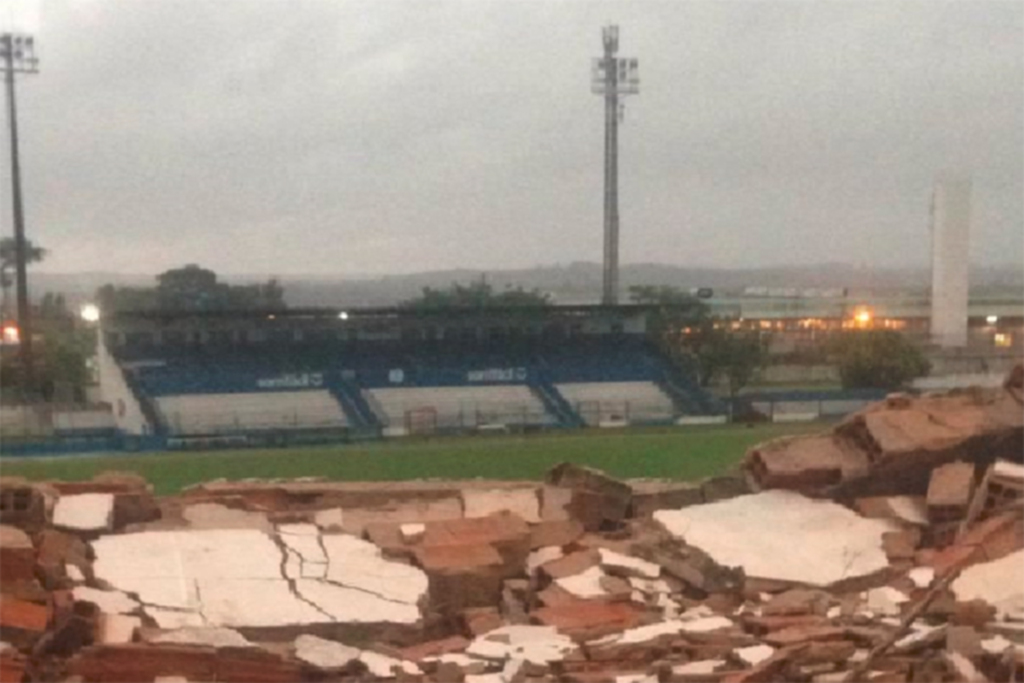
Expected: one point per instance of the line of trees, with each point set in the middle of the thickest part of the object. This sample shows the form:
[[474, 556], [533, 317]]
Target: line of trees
[[191, 288], [476, 295]]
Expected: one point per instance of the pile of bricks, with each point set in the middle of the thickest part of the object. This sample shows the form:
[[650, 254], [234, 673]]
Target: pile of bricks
[[806, 566]]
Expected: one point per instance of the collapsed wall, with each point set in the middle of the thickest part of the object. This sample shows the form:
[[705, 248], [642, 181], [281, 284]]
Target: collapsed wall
[[837, 561]]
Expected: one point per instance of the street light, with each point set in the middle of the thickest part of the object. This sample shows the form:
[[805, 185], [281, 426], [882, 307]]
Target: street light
[[17, 56]]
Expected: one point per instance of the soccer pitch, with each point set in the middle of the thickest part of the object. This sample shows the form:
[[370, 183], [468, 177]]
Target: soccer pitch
[[664, 453]]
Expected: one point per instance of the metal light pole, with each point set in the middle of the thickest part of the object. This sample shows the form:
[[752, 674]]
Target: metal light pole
[[612, 76], [17, 53]]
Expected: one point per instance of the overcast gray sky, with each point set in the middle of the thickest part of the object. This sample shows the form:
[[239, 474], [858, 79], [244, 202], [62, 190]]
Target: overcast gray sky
[[335, 136]]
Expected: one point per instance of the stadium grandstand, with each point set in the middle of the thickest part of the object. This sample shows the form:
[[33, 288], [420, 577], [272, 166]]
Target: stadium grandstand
[[243, 377]]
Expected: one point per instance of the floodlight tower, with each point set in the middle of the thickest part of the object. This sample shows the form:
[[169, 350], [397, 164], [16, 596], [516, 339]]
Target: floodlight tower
[[612, 77], [17, 56]]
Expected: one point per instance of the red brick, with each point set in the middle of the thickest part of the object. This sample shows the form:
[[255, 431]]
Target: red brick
[[767, 624], [480, 620], [571, 564], [12, 667], [17, 556], [22, 615], [801, 634], [252, 665], [139, 662], [554, 533], [589, 619], [457, 557]]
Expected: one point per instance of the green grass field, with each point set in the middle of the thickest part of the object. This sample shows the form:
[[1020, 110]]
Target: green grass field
[[670, 453]]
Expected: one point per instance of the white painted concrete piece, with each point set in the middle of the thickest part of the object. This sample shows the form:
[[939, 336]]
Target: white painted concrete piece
[[210, 637], [109, 602], [631, 566], [783, 535], [535, 644], [483, 502], [324, 654], [586, 584], [755, 654], [997, 583], [84, 512]]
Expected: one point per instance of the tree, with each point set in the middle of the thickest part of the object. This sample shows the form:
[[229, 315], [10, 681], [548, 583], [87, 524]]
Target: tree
[[9, 260], [478, 294], [877, 359], [192, 288], [681, 325], [736, 355]]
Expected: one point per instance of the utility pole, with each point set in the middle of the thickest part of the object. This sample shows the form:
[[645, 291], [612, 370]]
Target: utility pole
[[17, 53], [612, 76]]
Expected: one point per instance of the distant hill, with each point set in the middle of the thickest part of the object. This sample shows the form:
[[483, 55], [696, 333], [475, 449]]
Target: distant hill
[[571, 283]]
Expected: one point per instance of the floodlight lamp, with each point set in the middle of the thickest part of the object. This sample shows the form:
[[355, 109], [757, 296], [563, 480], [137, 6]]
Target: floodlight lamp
[[90, 313]]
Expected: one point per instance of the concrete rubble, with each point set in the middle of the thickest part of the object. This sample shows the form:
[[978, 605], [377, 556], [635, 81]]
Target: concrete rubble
[[889, 549]]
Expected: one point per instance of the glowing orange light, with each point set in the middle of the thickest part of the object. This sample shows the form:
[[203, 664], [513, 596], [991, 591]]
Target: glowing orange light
[[11, 334]]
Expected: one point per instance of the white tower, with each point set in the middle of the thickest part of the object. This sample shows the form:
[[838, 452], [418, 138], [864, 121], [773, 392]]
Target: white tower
[[951, 223]]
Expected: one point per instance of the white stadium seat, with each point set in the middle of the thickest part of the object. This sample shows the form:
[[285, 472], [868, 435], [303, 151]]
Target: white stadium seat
[[220, 413], [597, 402], [472, 406]]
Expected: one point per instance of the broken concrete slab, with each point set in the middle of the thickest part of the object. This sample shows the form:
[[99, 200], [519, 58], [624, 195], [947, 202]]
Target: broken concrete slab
[[586, 584], [754, 654], [109, 602], [88, 512], [117, 628], [784, 536], [997, 583], [325, 654]]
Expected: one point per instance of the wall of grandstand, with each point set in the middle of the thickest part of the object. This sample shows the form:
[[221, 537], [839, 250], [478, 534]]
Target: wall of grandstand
[[126, 411]]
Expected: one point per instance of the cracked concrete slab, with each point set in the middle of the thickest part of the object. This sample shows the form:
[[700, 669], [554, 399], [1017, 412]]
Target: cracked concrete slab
[[784, 536], [247, 578], [359, 564]]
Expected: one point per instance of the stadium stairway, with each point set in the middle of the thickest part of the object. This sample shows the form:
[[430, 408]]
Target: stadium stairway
[[556, 404], [146, 405], [355, 406], [683, 387]]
